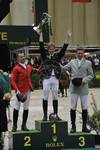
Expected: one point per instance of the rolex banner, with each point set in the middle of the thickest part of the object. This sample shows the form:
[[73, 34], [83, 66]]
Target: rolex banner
[[81, 1]]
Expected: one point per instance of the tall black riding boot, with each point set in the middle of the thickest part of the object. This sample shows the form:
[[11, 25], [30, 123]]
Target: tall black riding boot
[[15, 119], [84, 119], [55, 109], [55, 106], [45, 108], [73, 119], [25, 116]]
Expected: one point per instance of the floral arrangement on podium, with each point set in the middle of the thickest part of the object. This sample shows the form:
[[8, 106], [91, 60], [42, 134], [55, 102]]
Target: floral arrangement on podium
[[94, 119]]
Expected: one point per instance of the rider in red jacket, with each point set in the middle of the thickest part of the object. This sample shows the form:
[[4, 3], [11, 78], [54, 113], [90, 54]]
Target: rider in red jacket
[[21, 78], [21, 82]]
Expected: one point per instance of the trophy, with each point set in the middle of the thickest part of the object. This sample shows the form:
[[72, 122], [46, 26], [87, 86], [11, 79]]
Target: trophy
[[45, 22]]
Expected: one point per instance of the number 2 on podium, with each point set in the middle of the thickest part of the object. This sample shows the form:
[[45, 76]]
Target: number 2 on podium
[[54, 128], [27, 140]]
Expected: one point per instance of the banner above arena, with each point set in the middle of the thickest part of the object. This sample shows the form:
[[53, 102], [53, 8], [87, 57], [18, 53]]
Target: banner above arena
[[81, 1], [19, 36]]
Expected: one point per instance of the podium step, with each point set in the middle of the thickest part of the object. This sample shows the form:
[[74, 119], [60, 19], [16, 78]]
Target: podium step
[[81, 140], [51, 136], [59, 127], [25, 140]]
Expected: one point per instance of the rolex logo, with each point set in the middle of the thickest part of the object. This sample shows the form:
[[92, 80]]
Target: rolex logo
[[54, 138]]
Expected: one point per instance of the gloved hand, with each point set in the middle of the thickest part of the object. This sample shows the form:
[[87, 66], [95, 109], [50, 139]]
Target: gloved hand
[[68, 36]]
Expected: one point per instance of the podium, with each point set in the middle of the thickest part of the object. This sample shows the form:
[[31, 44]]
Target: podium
[[50, 136]]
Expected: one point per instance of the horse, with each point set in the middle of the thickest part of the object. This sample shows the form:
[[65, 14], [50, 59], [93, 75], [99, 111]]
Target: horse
[[64, 83]]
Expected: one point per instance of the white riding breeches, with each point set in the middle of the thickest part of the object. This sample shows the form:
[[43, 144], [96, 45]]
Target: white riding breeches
[[25, 104], [83, 99], [50, 84]]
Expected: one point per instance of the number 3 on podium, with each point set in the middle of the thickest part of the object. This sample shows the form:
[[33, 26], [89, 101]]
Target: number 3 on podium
[[81, 141]]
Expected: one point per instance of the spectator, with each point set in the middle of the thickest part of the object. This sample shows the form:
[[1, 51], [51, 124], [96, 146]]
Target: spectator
[[5, 97]]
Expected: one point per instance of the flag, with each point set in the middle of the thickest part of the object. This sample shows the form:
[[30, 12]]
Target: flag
[[81, 1]]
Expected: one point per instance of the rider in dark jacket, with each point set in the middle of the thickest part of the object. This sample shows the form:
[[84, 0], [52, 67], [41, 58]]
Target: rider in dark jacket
[[51, 72]]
